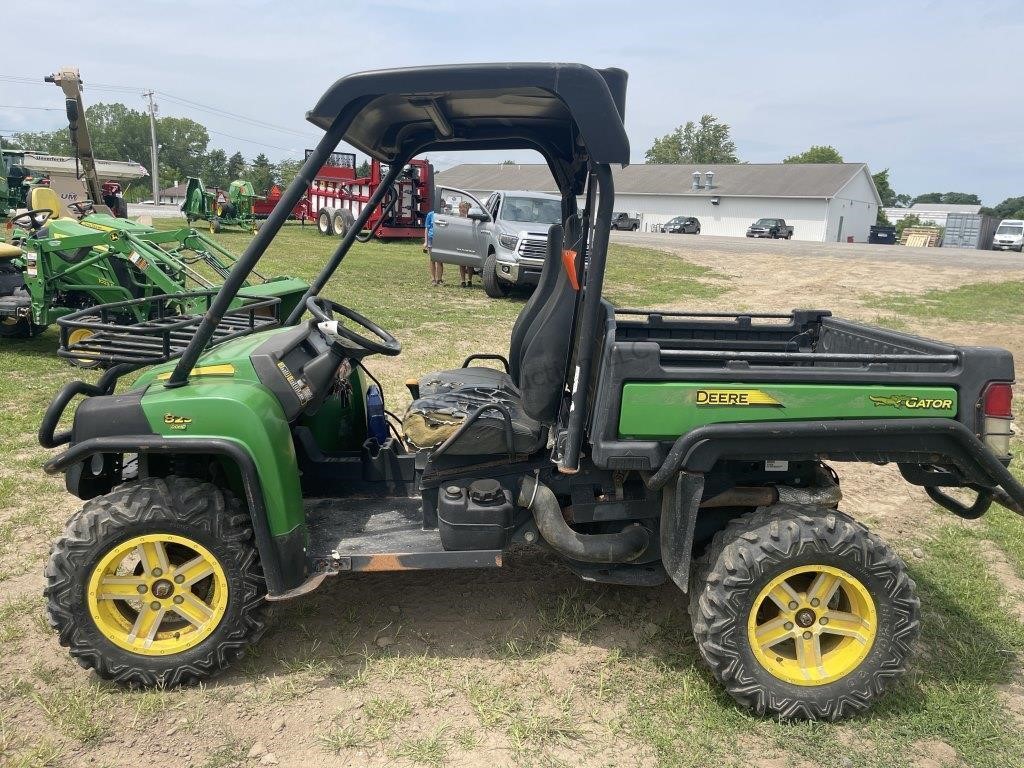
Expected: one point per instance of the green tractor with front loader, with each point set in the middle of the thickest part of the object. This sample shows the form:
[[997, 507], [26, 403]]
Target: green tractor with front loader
[[56, 265], [250, 459], [219, 210]]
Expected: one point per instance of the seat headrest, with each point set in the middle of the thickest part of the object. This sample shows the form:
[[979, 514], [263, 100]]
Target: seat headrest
[[44, 197]]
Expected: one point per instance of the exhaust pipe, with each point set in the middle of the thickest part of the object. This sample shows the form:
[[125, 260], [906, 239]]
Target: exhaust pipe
[[620, 547]]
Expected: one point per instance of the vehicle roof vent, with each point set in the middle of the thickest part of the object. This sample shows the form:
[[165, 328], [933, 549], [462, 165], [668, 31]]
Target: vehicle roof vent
[[709, 177], [696, 179]]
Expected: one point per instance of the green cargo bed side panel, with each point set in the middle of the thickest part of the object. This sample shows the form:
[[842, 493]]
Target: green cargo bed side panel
[[666, 410], [246, 413]]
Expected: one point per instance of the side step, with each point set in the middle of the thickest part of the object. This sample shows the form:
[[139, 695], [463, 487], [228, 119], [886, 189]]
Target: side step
[[374, 534]]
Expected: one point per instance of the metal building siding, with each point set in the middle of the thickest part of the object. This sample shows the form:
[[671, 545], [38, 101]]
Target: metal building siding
[[732, 216], [853, 210]]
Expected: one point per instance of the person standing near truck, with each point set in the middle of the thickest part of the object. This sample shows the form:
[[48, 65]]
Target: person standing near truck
[[465, 271], [436, 267]]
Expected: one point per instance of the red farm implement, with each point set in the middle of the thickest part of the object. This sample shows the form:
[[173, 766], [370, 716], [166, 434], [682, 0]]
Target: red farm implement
[[337, 197]]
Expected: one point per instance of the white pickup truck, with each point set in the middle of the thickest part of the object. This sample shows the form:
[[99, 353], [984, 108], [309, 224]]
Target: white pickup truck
[[504, 238]]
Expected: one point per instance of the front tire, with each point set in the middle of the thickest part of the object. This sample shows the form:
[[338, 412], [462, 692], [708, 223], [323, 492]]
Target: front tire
[[493, 286], [801, 613], [157, 583], [324, 222]]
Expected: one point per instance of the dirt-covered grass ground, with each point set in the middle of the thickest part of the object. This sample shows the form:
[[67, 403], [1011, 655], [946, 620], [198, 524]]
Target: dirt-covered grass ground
[[528, 665]]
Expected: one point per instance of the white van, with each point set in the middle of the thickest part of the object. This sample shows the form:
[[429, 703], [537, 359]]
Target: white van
[[1009, 235]]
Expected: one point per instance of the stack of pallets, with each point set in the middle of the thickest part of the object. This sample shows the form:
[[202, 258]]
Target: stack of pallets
[[921, 237]]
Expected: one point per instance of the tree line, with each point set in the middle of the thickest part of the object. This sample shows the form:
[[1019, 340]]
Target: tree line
[[121, 133], [708, 141]]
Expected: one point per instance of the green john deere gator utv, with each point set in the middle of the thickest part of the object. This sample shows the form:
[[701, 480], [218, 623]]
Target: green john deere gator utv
[[252, 460], [57, 265]]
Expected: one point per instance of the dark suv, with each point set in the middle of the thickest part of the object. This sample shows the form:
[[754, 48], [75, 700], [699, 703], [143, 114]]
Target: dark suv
[[682, 225]]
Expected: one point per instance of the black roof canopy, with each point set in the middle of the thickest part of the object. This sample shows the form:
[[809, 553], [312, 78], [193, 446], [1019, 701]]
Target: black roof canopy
[[565, 111]]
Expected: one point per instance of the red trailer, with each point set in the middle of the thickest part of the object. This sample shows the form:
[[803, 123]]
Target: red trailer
[[337, 196]]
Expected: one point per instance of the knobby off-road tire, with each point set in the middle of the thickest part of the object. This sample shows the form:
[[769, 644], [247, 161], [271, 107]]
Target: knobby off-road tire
[[759, 549], [493, 286], [185, 515]]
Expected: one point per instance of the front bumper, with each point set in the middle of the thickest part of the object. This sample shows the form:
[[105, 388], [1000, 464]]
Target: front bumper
[[1005, 246], [758, 234], [518, 270]]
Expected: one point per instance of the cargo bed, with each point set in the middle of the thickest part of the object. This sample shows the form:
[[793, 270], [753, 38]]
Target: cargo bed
[[803, 347]]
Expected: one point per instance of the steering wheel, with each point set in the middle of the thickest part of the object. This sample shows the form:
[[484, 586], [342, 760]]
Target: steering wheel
[[34, 219], [82, 208], [322, 308]]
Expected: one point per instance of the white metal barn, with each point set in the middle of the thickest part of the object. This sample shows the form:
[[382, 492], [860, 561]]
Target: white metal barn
[[823, 202]]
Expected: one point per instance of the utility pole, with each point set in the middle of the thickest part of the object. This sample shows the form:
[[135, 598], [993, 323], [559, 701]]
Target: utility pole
[[154, 173]]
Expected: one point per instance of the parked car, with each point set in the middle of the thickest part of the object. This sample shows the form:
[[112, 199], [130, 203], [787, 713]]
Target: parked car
[[1009, 236], [505, 238], [773, 228], [682, 225], [624, 221]]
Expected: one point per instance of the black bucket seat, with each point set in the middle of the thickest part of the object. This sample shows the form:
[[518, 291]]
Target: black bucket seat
[[538, 356]]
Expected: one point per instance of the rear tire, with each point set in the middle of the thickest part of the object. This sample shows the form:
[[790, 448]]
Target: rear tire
[[193, 528], [342, 222], [841, 669], [493, 286], [20, 329]]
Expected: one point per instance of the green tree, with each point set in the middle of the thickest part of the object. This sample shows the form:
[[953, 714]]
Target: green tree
[[816, 154], [183, 144], [904, 201], [50, 142], [885, 190], [363, 169], [262, 174], [236, 166], [287, 170], [948, 198], [1010, 208], [706, 142], [215, 168]]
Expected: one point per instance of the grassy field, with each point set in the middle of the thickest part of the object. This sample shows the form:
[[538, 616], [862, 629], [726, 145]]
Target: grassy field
[[982, 302], [523, 666]]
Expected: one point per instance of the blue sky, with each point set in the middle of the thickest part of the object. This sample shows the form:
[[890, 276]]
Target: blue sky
[[930, 90]]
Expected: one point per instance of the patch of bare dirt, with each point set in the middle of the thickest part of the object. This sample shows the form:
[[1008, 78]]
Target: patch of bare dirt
[[933, 753]]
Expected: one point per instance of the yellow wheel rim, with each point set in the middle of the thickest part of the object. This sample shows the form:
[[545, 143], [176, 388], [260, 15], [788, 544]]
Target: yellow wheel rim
[[77, 335], [157, 595], [812, 625]]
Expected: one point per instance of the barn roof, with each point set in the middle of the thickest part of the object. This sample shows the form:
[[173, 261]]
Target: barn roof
[[804, 180]]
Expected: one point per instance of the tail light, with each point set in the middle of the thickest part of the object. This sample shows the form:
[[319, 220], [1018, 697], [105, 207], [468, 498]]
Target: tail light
[[997, 419]]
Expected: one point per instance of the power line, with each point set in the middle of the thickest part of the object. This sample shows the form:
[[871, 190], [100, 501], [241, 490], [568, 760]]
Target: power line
[[21, 106], [234, 115]]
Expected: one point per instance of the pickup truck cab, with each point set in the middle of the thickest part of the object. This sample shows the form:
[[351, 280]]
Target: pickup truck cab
[[504, 238], [624, 221], [1009, 236], [773, 228]]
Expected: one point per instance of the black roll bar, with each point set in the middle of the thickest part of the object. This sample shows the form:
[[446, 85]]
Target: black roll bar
[[589, 321], [253, 252]]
